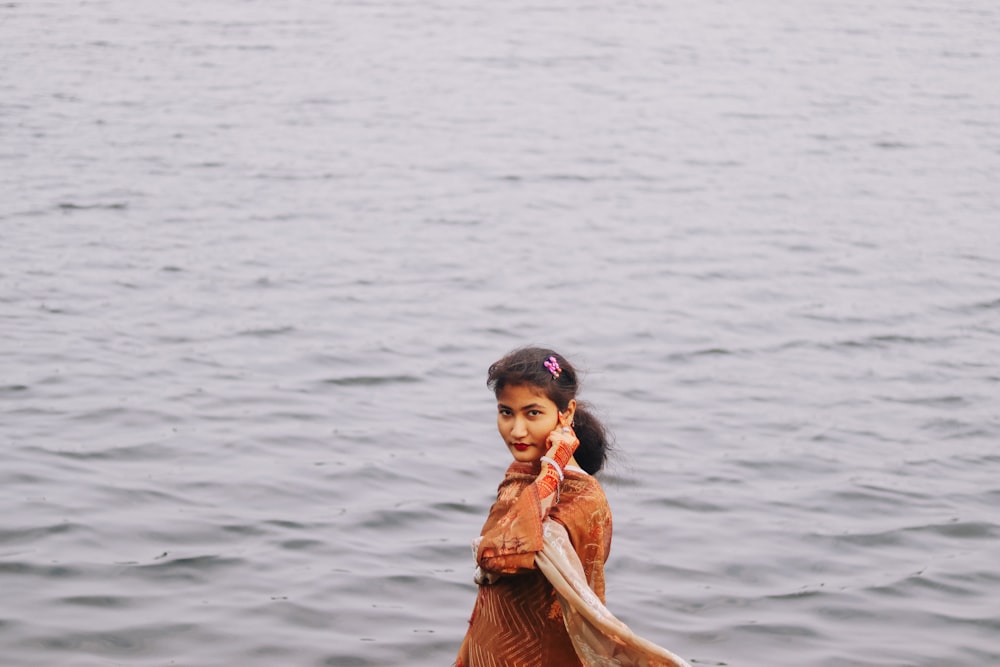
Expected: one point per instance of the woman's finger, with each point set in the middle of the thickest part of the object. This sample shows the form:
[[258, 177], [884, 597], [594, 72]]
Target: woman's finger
[[564, 421]]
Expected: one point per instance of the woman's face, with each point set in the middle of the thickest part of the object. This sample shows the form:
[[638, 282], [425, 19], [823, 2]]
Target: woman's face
[[525, 417]]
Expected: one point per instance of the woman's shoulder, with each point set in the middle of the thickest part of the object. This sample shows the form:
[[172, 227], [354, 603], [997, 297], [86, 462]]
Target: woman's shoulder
[[582, 508], [582, 487], [580, 476]]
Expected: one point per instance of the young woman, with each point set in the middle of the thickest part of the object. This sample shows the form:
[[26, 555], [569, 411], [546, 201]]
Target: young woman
[[557, 445]]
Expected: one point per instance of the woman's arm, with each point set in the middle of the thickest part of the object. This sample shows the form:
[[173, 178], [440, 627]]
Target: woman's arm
[[513, 531], [562, 445]]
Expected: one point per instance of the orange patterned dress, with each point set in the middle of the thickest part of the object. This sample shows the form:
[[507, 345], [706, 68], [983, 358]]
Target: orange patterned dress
[[517, 620]]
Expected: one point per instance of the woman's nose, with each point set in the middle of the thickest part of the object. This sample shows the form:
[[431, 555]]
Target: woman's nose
[[519, 429]]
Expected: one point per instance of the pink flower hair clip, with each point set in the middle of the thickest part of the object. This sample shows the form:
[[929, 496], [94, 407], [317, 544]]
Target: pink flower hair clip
[[553, 366]]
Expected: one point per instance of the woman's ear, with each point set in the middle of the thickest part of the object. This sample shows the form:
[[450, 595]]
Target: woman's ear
[[570, 410]]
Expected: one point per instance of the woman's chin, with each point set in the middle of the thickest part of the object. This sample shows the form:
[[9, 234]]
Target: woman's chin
[[526, 456]]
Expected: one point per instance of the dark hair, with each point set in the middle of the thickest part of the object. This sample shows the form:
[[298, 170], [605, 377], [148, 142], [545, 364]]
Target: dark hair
[[526, 366]]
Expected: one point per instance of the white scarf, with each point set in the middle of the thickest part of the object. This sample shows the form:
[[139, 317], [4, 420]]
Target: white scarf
[[600, 639]]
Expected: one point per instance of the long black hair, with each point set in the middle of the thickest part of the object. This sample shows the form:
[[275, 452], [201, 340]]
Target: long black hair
[[526, 366]]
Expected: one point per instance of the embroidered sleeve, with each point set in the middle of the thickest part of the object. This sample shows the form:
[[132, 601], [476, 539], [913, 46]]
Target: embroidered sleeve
[[513, 532]]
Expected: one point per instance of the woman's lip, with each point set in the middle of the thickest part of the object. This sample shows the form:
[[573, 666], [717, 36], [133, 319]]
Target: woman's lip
[[521, 447]]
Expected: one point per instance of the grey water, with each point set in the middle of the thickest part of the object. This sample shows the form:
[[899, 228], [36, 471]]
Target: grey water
[[255, 258]]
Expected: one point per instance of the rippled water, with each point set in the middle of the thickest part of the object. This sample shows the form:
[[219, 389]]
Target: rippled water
[[256, 257]]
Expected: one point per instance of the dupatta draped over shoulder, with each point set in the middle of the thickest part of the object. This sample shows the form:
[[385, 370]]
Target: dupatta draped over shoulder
[[541, 593]]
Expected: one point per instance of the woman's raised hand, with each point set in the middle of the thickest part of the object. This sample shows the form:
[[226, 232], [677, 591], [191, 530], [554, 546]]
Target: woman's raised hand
[[562, 441]]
